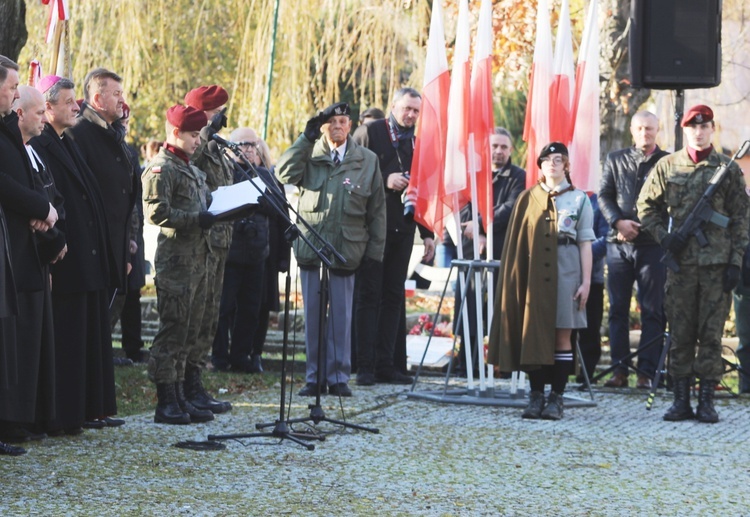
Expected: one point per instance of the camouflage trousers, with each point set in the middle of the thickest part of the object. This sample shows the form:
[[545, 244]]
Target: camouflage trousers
[[697, 308], [203, 338], [181, 298]]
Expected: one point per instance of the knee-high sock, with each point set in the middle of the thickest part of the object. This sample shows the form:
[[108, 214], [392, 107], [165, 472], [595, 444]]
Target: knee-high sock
[[561, 370]]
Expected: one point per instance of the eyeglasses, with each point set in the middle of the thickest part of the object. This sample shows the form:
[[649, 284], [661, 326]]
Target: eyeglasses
[[248, 145], [557, 160]]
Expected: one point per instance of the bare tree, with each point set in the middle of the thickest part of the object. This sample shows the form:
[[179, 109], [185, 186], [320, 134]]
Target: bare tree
[[13, 32]]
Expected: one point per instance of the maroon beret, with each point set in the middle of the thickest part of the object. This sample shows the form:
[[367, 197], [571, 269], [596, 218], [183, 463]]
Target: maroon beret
[[186, 118], [207, 98], [698, 114]]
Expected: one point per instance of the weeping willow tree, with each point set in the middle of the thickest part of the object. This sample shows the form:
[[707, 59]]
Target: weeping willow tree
[[360, 51]]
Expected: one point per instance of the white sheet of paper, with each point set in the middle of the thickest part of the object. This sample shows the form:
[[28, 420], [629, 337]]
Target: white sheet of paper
[[233, 196]]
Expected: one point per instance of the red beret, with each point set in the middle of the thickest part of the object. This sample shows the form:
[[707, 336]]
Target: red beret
[[207, 97], [186, 118], [697, 115]]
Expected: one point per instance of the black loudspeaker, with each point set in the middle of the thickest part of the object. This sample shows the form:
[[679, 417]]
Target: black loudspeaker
[[675, 44]]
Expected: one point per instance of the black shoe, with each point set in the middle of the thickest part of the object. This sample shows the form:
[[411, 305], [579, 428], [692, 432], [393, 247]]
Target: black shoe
[[10, 450], [255, 366], [113, 422], [311, 390], [341, 389], [554, 408], [196, 394], [122, 361], [680, 409], [196, 415], [536, 405], [394, 377], [94, 424], [365, 379]]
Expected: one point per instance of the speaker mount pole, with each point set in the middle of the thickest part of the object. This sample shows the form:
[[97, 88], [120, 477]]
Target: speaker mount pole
[[679, 109]]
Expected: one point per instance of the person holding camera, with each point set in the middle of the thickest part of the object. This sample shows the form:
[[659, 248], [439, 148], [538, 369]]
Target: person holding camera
[[381, 315]]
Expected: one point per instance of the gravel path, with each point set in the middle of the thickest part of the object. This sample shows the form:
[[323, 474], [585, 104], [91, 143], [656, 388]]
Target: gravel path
[[428, 459]]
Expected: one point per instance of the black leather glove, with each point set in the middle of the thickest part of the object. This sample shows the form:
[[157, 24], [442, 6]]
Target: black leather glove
[[675, 243], [206, 220], [312, 128], [219, 120], [731, 277]]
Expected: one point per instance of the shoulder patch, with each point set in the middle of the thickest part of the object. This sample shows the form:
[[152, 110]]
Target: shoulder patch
[[156, 170]]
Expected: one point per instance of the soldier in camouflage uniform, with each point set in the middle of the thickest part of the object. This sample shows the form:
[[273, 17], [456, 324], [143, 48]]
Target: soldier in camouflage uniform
[[208, 158], [175, 198], [698, 296]]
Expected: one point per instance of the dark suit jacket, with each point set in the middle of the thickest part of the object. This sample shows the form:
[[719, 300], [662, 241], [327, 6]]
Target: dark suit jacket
[[109, 162], [21, 201], [86, 266]]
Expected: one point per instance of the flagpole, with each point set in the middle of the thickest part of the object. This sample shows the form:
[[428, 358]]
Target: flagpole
[[464, 309], [479, 304]]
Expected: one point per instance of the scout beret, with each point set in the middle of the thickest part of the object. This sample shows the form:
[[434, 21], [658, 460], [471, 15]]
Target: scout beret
[[47, 82], [698, 114], [206, 98], [340, 108], [551, 148], [186, 118]]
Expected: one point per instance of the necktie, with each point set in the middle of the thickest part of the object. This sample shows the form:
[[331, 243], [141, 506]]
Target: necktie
[[336, 159]]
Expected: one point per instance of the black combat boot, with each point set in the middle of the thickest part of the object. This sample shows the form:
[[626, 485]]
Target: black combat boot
[[554, 408], [680, 409], [167, 409], [706, 412], [196, 415], [196, 393], [536, 404]]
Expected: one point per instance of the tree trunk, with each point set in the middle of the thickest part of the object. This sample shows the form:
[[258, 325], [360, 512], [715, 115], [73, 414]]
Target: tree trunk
[[13, 32], [619, 101]]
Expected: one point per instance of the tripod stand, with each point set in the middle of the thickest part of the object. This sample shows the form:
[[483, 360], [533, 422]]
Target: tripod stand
[[627, 360], [317, 414]]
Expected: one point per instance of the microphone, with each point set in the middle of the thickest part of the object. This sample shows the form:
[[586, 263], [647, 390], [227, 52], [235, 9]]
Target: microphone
[[226, 143]]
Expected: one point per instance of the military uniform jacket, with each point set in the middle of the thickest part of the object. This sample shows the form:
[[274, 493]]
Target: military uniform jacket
[[675, 185], [344, 203], [174, 193], [218, 174]]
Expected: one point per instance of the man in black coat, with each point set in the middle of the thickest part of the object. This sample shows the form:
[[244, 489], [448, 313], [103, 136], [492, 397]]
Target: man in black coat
[[381, 348], [28, 396], [85, 387], [632, 255], [101, 140]]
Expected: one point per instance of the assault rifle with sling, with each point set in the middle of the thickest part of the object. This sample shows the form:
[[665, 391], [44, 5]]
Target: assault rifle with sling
[[702, 212]]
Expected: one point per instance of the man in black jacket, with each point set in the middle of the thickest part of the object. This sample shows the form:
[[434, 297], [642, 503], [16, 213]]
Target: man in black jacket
[[85, 382], [381, 351], [632, 256], [101, 140], [27, 397]]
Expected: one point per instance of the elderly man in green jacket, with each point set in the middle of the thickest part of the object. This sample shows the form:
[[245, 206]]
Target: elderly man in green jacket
[[342, 198]]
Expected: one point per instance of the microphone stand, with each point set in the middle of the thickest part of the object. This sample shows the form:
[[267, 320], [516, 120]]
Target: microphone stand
[[281, 206]]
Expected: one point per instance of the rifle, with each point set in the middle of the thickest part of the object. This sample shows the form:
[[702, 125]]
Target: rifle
[[702, 212]]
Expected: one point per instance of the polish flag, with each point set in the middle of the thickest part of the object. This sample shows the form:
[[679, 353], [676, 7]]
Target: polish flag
[[456, 152], [536, 125], [562, 94], [482, 122], [428, 163], [584, 150]]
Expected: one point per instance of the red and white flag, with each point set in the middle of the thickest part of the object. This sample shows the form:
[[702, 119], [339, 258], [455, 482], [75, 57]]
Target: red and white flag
[[562, 94], [536, 125], [456, 152], [428, 164], [584, 150], [482, 122], [58, 12]]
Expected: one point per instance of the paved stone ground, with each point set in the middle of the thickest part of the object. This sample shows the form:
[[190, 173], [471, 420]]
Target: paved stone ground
[[428, 459]]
